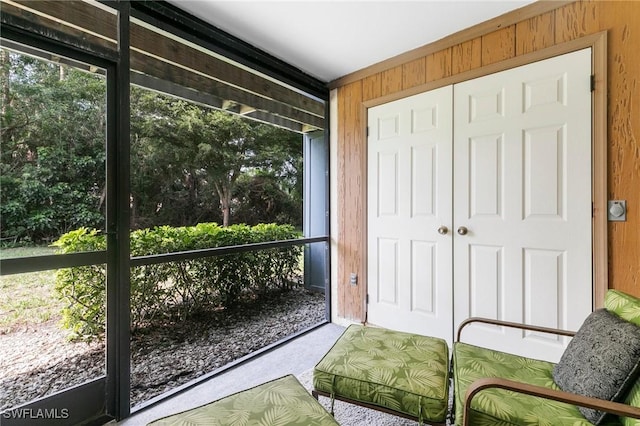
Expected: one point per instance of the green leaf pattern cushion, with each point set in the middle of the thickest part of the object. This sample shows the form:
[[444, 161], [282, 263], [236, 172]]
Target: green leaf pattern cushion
[[404, 372], [498, 407], [280, 402], [633, 398], [626, 307]]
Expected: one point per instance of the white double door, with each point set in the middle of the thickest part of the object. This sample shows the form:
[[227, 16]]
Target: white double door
[[479, 204]]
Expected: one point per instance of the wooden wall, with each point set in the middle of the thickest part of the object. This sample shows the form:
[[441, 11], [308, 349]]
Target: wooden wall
[[532, 28]]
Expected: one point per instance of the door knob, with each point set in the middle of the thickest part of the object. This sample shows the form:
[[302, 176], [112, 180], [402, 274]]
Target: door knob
[[463, 230], [443, 230]]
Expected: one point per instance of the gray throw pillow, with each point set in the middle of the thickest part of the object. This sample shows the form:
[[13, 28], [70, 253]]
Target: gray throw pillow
[[601, 361]]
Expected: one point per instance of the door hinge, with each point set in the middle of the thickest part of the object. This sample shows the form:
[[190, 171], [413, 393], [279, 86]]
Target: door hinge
[[366, 299], [367, 131], [593, 82]]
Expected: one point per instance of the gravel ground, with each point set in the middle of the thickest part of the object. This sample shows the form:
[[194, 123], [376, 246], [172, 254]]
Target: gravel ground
[[39, 361]]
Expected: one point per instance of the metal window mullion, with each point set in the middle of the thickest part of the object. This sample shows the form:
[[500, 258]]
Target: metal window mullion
[[327, 209], [220, 251], [22, 265], [118, 247]]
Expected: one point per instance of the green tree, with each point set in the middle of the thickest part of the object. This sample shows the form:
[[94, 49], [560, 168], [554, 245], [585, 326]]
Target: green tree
[[196, 154], [52, 148], [166, 185], [261, 198], [186, 159]]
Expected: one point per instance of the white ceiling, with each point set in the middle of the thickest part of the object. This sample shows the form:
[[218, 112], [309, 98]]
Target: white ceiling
[[330, 39]]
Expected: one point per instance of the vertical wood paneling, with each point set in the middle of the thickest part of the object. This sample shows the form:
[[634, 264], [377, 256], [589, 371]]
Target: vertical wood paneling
[[439, 65], [392, 81], [499, 45], [414, 73], [372, 87], [535, 34], [466, 56], [576, 20], [622, 19], [351, 217]]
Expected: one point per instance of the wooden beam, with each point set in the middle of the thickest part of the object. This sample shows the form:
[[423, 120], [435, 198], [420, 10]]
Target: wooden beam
[[207, 99], [165, 58], [173, 51], [276, 121], [76, 14], [9, 44], [171, 88], [159, 69], [100, 23], [16, 16]]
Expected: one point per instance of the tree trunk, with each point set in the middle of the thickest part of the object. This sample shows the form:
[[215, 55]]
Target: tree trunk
[[225, 212], [224, 193]]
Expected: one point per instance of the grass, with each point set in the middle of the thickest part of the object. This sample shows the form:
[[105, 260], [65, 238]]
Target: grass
[[10, 253], [27, 299]]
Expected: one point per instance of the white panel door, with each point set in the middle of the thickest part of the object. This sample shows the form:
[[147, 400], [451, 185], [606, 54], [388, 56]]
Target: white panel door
[[409, 198], [522, 189]]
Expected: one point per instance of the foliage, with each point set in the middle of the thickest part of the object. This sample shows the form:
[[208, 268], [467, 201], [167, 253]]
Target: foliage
[[177, 289], [186, 159], [52, 149], [189, 158], [82, 289], [259, 197]]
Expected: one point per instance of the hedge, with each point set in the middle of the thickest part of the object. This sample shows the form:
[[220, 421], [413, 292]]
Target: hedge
[[176, 290]]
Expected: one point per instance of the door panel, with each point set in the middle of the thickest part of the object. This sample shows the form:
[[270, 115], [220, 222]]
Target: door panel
[[522, 187], [485, 171], [521, 166], [409, 198]]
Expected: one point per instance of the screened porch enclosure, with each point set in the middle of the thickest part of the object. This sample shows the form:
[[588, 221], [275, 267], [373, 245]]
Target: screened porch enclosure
[[154, 50]]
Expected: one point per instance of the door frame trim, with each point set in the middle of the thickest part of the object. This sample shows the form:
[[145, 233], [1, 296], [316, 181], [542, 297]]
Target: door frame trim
[[598, 44]]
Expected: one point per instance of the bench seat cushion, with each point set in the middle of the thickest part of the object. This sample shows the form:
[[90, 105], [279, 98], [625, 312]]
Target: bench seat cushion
[[283, 401], [626, 307], [499, 407], [403, 372]]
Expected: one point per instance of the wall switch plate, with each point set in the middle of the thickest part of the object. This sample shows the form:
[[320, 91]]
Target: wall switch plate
[[617, 211]]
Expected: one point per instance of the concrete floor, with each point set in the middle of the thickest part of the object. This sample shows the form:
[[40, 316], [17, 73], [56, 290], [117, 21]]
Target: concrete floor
[[294, 357]]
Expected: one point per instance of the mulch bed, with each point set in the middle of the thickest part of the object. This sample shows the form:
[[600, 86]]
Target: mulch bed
[[38, 362]]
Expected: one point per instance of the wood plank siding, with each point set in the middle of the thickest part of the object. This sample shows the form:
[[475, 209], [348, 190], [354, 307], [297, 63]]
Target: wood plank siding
[[538, 26]]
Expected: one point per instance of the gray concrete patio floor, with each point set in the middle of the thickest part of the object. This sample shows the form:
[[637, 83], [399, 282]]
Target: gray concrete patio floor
[[294, 357]]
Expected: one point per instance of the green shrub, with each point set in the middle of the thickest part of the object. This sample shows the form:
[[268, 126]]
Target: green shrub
[[82, 289], [176, 289]]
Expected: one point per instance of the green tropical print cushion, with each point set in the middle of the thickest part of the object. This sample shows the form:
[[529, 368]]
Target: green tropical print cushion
[[499, 407], [403, 372], [280, 402], [633, 399], [624, 305]]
